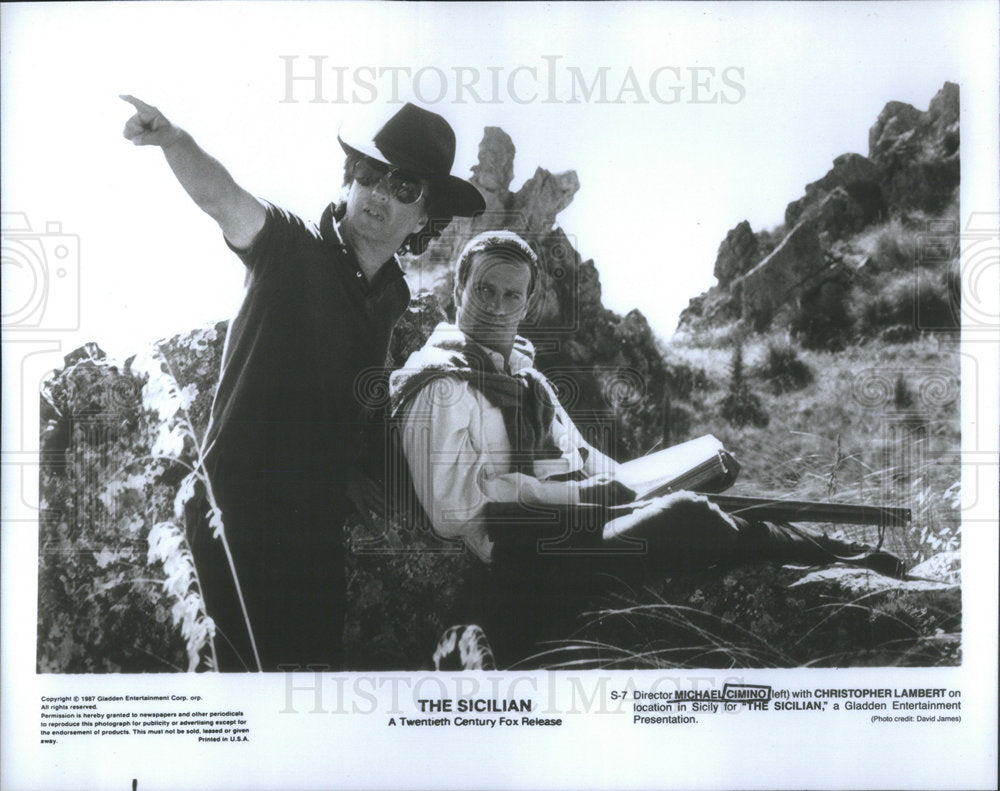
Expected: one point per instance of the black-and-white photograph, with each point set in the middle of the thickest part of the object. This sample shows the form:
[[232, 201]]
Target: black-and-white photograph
[[507, 377]]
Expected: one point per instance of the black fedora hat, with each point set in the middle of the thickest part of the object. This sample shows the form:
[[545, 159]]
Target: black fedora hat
[[422, 143]]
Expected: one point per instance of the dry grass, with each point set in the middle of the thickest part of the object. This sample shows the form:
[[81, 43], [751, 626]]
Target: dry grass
[[844, 438]]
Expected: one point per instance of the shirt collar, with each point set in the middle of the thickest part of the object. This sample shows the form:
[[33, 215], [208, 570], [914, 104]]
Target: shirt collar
[[329, 228], [521, 356]]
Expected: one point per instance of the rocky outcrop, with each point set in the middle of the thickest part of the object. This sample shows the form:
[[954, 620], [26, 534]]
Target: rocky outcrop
[[917, 153], [97, 425], [912, 166], [905, 134], [796, 263], [103, 486], [737, 254], [855, 182], [495, 169]]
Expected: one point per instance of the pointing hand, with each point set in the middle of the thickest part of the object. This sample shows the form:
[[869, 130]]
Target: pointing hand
[[148, 127]]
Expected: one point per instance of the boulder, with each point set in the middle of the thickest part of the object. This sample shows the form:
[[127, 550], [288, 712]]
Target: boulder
[[854, 179], [541, 198], [840, 215], [917, 153], [778, 279], [737, 254], [894, 131], [495, 169], [942, 567]]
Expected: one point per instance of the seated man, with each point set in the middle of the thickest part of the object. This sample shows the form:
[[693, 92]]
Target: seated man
[[480, 426]]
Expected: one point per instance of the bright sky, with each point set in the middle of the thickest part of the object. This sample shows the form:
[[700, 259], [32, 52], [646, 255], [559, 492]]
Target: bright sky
[[665, 172]]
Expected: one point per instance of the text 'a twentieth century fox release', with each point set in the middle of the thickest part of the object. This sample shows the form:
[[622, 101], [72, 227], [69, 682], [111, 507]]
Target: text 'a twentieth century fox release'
[[476, 713]]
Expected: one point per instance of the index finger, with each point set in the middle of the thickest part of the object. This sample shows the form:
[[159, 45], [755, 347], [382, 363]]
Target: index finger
[[138, 104]]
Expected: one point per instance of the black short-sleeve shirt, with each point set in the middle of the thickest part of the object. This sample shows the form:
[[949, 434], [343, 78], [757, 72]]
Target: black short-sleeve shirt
[[287, 415]]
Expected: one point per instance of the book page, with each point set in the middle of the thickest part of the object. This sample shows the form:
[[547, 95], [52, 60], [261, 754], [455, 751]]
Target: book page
[[647, 473]]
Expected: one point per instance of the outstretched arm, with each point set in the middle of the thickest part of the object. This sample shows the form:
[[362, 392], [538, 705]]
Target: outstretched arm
[[239, 214]]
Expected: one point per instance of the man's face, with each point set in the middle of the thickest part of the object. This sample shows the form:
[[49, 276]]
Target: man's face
[[495, 298], [374, 214]]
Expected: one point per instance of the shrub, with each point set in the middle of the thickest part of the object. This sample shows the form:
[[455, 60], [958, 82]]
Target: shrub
[[740, 406], [895, 247], [684, 380], [783, 370], [823, 319], [923, 302], [677, 422], [935, 301]]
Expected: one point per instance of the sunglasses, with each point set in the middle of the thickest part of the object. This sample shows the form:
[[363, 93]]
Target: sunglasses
[[368, 173]]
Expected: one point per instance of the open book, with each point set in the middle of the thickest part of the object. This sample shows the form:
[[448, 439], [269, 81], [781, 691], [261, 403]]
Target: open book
[[699, 465], [703, 465]]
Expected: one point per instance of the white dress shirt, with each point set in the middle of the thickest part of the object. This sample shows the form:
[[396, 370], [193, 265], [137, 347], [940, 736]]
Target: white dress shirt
[[459, 456]]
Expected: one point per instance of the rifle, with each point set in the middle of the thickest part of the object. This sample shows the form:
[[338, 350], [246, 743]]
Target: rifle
[[704, 466], [509, 520], [769, 509]]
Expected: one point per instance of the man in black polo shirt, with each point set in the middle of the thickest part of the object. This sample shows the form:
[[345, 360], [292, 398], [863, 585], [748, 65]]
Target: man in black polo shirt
[[286, 423]]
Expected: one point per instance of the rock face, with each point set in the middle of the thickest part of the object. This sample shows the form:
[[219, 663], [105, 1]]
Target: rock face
[[912, 166], [495, 170], [797, 262], [856, 180], [541, 198]]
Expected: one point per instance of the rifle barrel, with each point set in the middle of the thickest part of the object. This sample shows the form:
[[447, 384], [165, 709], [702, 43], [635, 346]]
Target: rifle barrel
[[808, 511]]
